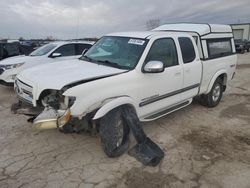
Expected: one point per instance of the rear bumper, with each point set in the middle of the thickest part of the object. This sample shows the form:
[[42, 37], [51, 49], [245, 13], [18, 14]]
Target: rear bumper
[[7, 77]]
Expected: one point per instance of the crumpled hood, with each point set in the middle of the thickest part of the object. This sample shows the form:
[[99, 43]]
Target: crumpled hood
[[57, 75], [17, 59]]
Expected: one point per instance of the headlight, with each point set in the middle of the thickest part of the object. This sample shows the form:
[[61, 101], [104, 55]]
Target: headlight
[[6, 67], [61, 121], [71, 101]]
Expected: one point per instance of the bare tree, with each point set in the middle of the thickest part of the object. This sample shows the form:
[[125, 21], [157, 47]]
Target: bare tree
[[50, 38], [153, 23]]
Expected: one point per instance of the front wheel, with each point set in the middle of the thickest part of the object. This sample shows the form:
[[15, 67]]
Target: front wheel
[[213, 98], [114, 133]]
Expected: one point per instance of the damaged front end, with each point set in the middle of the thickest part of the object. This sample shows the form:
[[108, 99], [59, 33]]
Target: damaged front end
[[56, 113], [52, 110], [52, 119], [114, 127]]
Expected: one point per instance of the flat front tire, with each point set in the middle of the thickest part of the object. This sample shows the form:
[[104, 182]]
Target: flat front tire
[[114, 133]]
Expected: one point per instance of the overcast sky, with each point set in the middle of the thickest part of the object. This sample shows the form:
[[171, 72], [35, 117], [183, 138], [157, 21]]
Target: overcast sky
[[59, 18]]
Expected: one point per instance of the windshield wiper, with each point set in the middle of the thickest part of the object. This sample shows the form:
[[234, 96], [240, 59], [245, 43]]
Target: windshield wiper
[[87, 58], [112, 64]]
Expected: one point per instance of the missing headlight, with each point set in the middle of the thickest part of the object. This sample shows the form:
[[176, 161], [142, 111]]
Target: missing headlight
[[69, 101]]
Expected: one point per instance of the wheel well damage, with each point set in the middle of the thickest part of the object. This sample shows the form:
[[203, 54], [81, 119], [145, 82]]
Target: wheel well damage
[[111, 103]]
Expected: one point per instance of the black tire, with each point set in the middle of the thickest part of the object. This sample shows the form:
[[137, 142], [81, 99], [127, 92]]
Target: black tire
[[213, 98], [68, 128], [114, 142], [248, 50]]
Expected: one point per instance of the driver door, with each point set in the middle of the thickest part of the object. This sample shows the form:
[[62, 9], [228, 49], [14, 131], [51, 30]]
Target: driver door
[[161, 91]]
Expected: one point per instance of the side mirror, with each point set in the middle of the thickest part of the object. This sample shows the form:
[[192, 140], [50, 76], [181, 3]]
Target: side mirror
[[154, 67], [54, 55]]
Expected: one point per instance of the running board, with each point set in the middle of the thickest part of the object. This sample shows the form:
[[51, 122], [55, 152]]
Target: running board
[[166, 111]]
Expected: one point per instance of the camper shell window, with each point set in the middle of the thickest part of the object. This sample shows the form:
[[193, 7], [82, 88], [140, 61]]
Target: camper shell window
[[219, 47]]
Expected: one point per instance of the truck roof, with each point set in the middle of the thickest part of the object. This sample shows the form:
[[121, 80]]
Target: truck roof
[[70, 42], [201, 29], [143, 34]]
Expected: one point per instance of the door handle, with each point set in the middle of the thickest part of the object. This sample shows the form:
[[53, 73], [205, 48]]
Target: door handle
[[187, 70], [178, 74]]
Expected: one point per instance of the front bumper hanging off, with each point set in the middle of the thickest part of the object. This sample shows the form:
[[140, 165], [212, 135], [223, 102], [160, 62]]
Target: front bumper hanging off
[[52, 119]]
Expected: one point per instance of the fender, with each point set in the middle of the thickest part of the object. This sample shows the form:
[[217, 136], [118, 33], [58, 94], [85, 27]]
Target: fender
[[113, 104], [216, 75]]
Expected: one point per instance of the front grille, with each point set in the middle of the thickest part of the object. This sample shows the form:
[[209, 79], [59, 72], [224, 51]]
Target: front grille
[[24, 83], [24, 100], [28, 93], [1, 71], [24, 91]]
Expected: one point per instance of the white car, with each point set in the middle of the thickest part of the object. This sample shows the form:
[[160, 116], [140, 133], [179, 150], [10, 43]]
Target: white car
[[132, 76], [52, 52]]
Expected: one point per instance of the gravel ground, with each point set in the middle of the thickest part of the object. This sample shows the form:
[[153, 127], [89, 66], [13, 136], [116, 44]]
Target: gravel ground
[[204, 148]]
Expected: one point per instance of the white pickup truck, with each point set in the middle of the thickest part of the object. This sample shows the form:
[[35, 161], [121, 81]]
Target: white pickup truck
[[145, 74]]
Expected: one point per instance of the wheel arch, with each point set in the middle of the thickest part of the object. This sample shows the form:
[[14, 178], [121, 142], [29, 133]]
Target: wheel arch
[[222, 74], [117, 102]]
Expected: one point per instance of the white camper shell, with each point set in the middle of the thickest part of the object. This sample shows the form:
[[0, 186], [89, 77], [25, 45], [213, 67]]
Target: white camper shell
[[215, 43], [203, 33]]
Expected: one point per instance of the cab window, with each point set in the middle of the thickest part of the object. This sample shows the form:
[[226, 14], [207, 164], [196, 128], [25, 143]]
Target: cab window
[[163, 50], [187, 49]]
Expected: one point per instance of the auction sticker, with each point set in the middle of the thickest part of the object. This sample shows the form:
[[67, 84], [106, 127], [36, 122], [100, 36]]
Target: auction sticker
[[136, 41]]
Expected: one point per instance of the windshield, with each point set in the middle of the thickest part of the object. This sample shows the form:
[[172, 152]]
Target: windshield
[[119, 52], [43, 50]]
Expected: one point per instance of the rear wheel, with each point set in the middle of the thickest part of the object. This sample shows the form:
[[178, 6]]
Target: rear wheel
[[114, 133], [213, 98]]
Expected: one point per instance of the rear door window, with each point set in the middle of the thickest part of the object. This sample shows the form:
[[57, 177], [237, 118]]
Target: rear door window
[[187, 49]]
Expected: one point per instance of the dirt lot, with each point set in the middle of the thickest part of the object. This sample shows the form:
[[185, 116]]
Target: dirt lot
[[204, 148]]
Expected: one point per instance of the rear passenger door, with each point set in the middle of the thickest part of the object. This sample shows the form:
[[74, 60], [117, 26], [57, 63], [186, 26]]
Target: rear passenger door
[[192, 67]]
